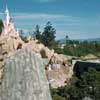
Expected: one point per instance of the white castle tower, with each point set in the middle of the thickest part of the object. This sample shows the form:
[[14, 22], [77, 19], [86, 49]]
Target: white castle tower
[[9, 29], [7, 16]]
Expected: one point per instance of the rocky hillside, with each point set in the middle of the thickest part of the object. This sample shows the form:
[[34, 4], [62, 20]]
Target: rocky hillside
[[57, 64], [58, 68]]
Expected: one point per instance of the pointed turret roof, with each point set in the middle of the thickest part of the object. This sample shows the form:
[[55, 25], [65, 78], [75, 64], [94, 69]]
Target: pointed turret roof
[[7, 11], [7, 15]]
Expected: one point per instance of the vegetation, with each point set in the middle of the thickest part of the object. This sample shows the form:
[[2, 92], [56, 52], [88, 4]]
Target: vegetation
[[72, 47], [86, 86], [1, 26], [76, 48], [37, 33], [48, 36]]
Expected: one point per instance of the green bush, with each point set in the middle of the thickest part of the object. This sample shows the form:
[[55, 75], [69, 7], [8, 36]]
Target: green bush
[[57, 97], [82, 49], [59, 50]]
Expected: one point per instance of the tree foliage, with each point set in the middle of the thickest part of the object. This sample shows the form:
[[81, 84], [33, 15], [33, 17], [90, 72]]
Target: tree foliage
[[48, 35], [1, 26], [86, 86], [76, 48], [37, 33]]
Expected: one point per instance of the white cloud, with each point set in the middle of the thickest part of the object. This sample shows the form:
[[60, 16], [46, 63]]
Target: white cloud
[[60, 22], [59, 19], [36, 16], [64, 24]]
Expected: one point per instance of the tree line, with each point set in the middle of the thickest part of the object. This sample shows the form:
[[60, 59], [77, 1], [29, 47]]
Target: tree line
[[47, 37]]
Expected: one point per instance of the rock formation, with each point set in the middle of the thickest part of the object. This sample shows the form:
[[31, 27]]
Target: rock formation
[[10, 42], [58, 68], [9, 45], [50, 54], [24, 78]]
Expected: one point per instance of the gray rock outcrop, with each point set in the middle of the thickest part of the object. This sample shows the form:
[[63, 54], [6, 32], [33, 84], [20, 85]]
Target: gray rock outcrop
[[24, 78]]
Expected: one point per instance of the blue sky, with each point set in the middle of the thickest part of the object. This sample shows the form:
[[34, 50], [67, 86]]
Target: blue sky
[[75, 18]]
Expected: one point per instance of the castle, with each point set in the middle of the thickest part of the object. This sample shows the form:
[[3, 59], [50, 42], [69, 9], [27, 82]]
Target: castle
[[9, 29]]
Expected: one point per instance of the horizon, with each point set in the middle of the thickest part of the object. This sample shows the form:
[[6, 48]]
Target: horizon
[[77, 19]]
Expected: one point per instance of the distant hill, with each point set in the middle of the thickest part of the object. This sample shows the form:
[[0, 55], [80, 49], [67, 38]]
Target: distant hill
[[63, 41], [92, 39]]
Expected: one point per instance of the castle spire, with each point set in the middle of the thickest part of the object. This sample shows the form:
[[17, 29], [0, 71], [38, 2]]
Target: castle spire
[[7, 16]]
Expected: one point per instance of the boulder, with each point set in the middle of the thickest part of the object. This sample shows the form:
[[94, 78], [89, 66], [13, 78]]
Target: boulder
[[24, 77]]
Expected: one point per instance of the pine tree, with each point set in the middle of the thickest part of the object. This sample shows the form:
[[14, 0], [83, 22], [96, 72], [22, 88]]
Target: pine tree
[[37, 33], [48, 36]]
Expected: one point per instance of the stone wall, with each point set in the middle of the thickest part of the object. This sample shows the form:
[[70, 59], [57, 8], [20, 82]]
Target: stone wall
[[24, 78]]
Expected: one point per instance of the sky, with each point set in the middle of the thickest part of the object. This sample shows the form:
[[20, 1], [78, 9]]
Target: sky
[[79, 19]]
